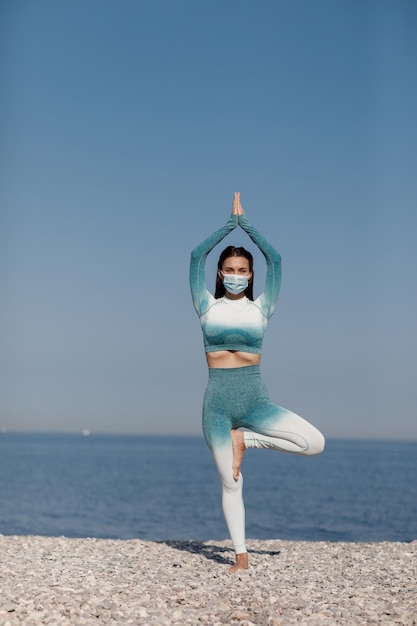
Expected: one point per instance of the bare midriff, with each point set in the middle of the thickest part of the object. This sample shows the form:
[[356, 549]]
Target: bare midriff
[[232, 358]]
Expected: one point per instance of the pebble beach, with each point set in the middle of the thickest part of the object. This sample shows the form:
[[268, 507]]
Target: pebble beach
[[61, 581]]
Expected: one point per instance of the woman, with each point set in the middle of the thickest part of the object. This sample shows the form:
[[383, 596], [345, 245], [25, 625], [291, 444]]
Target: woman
[[233, 324]]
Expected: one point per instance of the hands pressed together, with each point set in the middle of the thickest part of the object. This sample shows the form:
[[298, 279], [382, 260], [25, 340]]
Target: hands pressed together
[[236, 206]]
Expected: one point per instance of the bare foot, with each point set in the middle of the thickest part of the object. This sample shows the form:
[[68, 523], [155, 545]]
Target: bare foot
[[242, 562], [238, 445]]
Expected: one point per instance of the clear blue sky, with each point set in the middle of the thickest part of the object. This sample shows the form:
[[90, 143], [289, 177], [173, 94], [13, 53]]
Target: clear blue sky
[[127, 126]]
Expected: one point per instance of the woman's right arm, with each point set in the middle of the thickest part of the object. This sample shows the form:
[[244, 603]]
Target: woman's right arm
[[199, 255]]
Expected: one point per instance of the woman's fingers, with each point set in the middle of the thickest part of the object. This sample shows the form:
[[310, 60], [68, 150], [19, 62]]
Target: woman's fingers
[[235, 203], [240, 209], [237, 208]]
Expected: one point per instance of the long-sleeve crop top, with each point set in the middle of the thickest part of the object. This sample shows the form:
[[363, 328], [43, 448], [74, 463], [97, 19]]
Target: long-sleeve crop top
[[227, 324]]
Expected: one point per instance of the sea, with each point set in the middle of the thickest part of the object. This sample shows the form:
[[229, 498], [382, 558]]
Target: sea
[[166, 488]]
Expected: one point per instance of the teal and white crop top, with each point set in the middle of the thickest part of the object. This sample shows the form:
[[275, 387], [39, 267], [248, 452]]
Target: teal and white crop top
[[234, 324]]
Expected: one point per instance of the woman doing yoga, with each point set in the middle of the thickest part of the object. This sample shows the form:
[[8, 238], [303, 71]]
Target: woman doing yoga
[[233, 324]]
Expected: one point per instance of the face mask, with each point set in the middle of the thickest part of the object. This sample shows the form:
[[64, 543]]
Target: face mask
[[235, 284]]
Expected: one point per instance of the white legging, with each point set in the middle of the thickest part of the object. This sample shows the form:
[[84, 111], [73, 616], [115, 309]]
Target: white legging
[[237, 398]]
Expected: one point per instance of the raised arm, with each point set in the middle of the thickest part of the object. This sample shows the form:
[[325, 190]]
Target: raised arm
[[268, 298], [199, 291]]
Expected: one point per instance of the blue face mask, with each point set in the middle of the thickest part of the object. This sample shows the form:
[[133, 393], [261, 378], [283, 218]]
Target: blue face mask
[[235, 284]]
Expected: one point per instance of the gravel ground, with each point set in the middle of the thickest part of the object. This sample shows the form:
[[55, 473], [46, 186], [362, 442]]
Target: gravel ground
[[60, 581]]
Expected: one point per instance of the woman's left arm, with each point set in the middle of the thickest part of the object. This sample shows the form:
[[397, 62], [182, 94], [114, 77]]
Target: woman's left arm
[[273, 264]]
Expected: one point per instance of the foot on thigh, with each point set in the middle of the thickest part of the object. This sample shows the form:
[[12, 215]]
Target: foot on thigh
[[242, 562], [238, 445]]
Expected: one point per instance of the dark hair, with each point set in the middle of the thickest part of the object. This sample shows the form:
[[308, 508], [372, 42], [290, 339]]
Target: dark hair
[[228, 252]]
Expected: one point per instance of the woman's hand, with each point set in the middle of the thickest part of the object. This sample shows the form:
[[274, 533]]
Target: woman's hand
[[236, 206]]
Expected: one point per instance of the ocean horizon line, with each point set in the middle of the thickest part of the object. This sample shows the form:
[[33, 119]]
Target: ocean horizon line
[[86, 432]]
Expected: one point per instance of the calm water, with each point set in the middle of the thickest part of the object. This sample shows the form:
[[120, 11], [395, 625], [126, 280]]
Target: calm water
[[167, 488]]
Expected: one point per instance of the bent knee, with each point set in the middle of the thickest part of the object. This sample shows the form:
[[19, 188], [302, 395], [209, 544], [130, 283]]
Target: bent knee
[[316, 444]]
